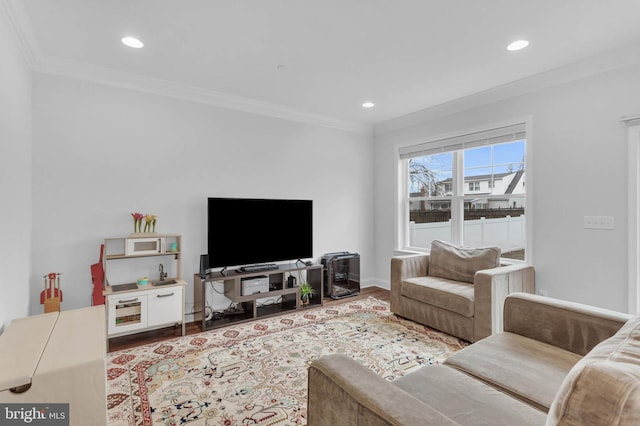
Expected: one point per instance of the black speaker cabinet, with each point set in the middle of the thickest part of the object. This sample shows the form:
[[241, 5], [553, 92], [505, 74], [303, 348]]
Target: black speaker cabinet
[[341, 274], [204, 264]]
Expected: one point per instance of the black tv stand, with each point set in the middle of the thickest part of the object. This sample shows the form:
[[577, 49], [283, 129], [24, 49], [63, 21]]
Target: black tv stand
[[258, 267]]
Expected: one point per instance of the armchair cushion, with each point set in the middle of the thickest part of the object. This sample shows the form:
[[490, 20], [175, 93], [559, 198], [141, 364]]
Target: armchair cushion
[[534, 378], [460, 263], [466, 400], [451, 295]]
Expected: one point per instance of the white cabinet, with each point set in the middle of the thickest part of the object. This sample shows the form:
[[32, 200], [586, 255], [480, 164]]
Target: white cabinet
[[164, 306], [135, 311]]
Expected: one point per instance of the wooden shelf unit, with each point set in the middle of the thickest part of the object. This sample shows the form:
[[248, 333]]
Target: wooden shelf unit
[[114, 249], [288, 299]]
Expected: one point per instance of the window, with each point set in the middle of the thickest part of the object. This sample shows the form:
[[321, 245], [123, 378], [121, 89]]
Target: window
[[468, 190]]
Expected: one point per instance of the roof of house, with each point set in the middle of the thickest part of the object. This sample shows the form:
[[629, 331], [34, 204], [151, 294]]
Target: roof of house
[[514, 182]]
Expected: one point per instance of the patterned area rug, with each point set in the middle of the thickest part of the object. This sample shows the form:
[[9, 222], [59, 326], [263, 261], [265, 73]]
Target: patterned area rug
[[256, 373]]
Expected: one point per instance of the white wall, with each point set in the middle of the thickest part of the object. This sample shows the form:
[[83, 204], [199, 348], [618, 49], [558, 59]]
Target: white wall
[[101, 153], [15, 178], [577, 168]]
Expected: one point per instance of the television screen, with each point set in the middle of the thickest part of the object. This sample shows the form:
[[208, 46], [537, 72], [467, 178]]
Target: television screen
[[246, 231]]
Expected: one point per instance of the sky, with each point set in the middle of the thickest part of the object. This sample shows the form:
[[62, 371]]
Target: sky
[[478, 161]]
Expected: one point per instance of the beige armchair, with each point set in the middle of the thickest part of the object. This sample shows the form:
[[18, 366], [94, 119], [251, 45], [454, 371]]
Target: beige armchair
[[557, 362], [457, 290]]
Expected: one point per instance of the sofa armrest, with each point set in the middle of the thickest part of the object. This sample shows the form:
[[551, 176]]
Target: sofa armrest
[[567, 325], [343, 391], [403, 267], [491, 286]]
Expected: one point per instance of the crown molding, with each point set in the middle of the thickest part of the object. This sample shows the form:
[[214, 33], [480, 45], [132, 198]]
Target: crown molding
[[615, 59], [112, 77], [40, 62]]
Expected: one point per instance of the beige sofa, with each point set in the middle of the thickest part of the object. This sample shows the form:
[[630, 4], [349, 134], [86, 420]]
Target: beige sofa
[[457, 290], [555, 363]]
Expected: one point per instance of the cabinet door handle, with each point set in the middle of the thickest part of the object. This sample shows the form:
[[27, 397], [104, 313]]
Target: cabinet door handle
[[165, 295], [128, 300]]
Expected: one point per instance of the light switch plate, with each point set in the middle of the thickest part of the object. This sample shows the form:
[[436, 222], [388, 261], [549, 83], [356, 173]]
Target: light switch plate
[[598, 222]]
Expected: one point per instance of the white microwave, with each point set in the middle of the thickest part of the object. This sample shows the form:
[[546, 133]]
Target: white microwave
[[142, 246]]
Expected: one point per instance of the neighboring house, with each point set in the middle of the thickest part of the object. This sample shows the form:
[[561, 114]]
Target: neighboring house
[[481, 185]]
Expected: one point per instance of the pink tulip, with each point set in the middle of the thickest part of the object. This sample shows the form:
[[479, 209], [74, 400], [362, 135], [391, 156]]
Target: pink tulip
[[137, 221]]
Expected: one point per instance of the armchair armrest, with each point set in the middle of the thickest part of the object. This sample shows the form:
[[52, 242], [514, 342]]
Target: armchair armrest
[[491, 286], [403, 267], [342, 391], [567, 325]]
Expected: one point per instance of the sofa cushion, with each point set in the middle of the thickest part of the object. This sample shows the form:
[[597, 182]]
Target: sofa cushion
[[460, 263], [604, 386], [451, 295], [528, 369], [465, 400]]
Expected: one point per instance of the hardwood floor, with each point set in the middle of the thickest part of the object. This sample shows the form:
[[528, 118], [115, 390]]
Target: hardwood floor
[[126, 342]]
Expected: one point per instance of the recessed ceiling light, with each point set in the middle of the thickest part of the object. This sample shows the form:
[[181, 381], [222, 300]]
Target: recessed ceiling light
[[368, 105], [517, 45], [132, 42]]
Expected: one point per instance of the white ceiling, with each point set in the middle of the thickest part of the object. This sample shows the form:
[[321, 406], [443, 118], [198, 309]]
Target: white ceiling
[[404, 55]]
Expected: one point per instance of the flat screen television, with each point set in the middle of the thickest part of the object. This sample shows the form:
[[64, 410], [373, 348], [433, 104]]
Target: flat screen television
[[249, 231]]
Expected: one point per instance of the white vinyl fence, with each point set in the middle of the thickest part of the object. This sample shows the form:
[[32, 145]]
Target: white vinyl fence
[[508, 233]]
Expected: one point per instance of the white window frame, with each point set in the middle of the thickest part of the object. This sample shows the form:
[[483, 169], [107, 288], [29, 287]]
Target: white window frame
[[446, 142], [633, 188]]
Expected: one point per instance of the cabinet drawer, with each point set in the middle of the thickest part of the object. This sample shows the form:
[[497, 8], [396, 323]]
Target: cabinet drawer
[[127, 312], [164, 306]]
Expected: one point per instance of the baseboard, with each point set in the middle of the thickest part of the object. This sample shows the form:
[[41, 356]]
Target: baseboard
[[376, 282]]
